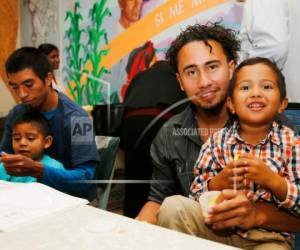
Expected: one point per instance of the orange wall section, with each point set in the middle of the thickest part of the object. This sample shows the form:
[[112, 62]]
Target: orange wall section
[[9, 16]]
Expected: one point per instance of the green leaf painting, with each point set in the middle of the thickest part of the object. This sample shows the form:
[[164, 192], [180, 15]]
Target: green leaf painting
[[85, 59]]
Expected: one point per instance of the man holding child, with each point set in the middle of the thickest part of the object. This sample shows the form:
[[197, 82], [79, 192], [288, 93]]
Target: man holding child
[[204, 58], [30, 78]]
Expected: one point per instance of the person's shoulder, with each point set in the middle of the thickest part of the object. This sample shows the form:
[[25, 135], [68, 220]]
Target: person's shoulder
[[179, 119], [287, 133], [284, 136], [15, 111], [70, 107], [289, 141], [173, 124], [167, 130]]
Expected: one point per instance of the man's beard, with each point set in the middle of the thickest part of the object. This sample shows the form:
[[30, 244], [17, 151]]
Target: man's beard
[[214, 110]]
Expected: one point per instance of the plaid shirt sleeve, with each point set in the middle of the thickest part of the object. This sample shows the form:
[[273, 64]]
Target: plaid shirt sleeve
[[292, 177], [204, 170]]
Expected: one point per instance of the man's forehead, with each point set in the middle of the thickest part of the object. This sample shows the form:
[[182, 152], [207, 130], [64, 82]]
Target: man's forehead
[[200, 53], [213, 46], [22, 74], [210, 46]]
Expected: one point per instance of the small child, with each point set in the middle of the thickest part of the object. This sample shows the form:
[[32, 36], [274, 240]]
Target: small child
[[31, 135], [268, 166]]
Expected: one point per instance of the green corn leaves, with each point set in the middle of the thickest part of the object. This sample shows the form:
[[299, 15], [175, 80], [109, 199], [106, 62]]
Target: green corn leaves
[[79, 54]]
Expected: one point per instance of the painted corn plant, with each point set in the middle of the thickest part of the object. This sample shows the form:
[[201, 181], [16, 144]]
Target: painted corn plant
[[85, 59], [74, 57], [96, 36]]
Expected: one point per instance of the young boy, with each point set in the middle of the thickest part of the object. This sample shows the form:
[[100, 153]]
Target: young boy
[[268, 168], [31, 135]]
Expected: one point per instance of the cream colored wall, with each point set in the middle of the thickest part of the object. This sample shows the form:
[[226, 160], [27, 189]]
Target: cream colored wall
[[6, 99]]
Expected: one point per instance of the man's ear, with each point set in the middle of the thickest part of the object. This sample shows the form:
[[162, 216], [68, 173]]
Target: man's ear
[[180, 82], [283, 104], [230, 105], [48, 141], [231, 66], [48, 79]]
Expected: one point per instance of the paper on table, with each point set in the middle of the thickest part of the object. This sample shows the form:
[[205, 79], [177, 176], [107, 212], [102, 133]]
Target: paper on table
[[22, 203]]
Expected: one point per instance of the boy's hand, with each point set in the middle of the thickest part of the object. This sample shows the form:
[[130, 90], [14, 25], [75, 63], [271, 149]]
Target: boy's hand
[[257, 170], [225, 179], [20, 165]]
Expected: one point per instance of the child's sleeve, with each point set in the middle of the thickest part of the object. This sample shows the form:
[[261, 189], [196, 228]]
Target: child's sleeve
[[205, 169], [292, 177], [3, 174]]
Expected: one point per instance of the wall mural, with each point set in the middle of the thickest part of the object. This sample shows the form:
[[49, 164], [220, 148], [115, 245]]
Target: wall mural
[[108, 42], [41, 14], [84, 59]]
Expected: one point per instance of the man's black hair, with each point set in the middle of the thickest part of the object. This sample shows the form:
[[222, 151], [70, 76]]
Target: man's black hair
[[28, 58], [210, 31]]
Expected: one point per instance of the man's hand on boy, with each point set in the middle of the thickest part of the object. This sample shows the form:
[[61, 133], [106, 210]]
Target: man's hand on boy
[[225, 179], [235, 211], [20, 165]]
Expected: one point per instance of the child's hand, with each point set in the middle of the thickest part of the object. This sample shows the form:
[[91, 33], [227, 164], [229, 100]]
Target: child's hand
[[2, 153], [19, 165], [226, 178], [257, 170]]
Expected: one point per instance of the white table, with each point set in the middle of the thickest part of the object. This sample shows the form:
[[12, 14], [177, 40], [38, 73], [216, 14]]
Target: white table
[[86, 227]]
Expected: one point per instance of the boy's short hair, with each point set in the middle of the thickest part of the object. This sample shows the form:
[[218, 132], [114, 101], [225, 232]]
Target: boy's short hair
[[33, 116], [280, 80], [28, 58], [211, 31], [47, 48]]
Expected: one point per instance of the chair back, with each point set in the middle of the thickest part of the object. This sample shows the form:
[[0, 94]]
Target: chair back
[[293, 114], [105, 170]]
